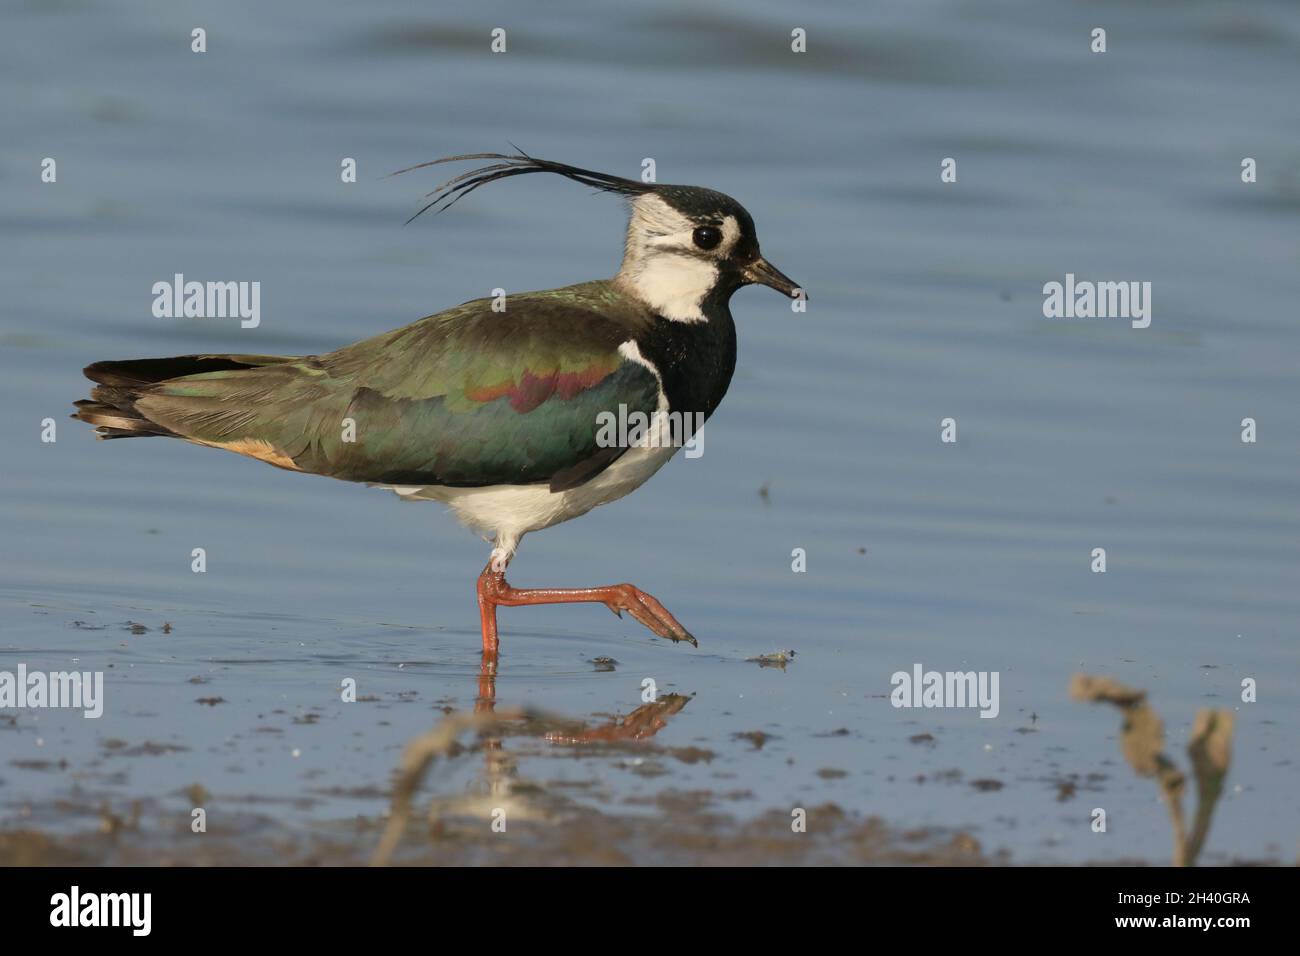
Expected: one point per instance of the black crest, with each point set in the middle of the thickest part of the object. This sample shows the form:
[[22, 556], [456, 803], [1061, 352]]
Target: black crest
[[450, 192]]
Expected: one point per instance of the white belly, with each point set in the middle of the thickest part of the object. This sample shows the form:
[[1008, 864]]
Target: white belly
[[508, 512]]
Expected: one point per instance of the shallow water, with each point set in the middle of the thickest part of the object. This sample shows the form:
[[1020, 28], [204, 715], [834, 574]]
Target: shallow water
[[925, 303]]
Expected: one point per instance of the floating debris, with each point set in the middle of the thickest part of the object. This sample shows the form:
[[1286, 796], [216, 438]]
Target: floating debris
[[776, 659], [1065, 790], [755, 737], [119, 748], [39, 764]]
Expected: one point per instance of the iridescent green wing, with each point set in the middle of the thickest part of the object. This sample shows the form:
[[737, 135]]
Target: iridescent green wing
[[467, 397]]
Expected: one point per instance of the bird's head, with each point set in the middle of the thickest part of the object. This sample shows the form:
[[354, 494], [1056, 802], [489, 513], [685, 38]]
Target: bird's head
[[685, 244]]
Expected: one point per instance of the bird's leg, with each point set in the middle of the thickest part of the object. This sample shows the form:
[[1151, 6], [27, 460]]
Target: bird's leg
[[494, 591], [486, 701], [487, 611]]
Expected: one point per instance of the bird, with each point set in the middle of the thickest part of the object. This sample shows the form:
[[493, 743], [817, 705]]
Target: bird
[[491, 408]]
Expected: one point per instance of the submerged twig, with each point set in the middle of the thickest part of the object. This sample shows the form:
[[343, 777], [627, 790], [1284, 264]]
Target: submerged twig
[[1210, 750], [1142, 742], [417, 757]]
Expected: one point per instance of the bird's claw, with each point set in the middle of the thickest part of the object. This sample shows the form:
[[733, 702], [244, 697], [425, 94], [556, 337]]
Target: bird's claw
[[654, 616]]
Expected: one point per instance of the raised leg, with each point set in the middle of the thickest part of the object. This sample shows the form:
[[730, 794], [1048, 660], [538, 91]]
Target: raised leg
[[494, 592]]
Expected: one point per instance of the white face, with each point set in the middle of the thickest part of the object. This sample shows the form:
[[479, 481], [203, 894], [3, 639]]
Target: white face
[[664, 266]]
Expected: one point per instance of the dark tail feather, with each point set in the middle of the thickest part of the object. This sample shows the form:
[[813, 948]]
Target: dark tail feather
[[111, 421], [111, 406]]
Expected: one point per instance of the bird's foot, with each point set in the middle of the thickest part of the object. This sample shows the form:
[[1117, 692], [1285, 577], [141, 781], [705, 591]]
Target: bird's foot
[[647, 609], [494, 591]]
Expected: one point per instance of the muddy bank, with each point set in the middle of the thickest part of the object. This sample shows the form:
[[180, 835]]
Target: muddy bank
[[556, 833]]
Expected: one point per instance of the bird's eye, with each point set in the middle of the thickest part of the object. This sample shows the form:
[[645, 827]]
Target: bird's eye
[[707, 237]]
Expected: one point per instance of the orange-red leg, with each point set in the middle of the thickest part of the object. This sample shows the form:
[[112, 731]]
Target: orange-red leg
[[644, 722], [486, 701], [494, 592]]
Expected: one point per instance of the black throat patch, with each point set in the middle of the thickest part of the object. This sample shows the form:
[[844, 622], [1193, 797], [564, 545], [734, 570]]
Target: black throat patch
[[695, 359]]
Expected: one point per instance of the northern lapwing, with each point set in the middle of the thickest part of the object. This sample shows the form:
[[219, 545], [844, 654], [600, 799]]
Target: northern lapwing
[[493, 412]]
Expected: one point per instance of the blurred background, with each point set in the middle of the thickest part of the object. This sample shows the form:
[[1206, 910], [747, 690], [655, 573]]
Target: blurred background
[[925, 303]]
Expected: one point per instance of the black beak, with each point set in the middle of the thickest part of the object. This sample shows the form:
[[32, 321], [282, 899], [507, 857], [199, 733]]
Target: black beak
[[762, 272]]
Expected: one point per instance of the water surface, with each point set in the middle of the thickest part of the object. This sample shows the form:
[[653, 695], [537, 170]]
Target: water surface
[[925, 304]]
